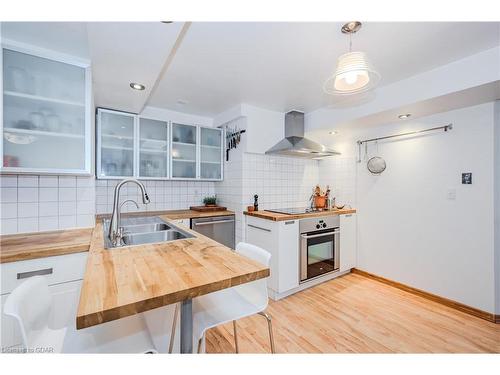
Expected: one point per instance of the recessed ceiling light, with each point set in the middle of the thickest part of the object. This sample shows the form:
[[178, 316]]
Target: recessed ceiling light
[[137, 86], [404, 116], [182, 102], [333, 132]]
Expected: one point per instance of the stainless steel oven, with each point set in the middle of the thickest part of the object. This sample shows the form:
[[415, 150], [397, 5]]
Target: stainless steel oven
[[319, 246]]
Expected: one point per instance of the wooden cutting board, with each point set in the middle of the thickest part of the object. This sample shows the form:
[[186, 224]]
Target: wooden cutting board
[[207, 208]]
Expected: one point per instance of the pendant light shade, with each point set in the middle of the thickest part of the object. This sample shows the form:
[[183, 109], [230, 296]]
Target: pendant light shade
[[354, 73]]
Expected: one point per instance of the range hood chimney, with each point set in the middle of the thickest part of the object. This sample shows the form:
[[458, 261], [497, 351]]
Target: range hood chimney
[[294, 143]]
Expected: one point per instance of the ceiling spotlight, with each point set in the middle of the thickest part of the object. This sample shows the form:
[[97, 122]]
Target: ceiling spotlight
[[404, 116], [137, 86], [333, 132]]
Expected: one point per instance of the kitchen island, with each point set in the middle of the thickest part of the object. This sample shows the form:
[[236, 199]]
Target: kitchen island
[[125, 281]]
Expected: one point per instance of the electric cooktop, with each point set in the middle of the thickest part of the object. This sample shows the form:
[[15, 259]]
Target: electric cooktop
[[295, 211]]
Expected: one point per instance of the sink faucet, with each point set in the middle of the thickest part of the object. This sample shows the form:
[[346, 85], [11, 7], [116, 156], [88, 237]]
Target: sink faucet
[[115, 232]]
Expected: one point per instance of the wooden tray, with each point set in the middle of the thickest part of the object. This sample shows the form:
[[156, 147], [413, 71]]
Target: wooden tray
[[207, 208]]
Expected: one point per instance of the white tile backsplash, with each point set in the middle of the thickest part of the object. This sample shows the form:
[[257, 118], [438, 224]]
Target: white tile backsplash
[[9, 194], [9, 210], [50, 181], [32, 203], [27, 209], [163, 195], [27, 181], [42, 203], [27, 194], [48, 194]]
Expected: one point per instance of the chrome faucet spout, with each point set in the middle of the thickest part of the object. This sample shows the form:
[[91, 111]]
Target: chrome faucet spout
[[114, 233]]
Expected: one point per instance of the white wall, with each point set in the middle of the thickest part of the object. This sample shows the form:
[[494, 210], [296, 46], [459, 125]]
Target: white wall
[[264, 128], [496, 171], [408, 230]]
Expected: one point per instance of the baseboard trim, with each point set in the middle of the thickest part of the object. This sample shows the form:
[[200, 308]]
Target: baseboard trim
[[444, 301]]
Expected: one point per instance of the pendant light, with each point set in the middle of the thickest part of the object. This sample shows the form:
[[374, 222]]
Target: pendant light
[[354, 73]]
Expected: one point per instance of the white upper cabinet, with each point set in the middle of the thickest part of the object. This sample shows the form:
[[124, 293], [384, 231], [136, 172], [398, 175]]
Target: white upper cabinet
[[115, 144], [133, 146], [153, 148], [46, 113], [210, 153], [184, 151]]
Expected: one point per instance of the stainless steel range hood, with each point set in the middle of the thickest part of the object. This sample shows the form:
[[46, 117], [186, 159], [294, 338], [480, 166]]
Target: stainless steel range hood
[[294, 143]]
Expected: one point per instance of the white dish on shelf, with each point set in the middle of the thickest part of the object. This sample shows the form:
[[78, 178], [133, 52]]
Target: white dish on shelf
[[19, 139]]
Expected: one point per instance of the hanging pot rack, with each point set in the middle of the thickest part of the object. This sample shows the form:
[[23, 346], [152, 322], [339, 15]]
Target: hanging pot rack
[[365, 141]]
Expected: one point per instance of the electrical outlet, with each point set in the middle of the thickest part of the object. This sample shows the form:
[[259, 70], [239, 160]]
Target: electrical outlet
[[451, 194]]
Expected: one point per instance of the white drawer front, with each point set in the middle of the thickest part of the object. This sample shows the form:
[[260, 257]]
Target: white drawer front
[[57, 269]]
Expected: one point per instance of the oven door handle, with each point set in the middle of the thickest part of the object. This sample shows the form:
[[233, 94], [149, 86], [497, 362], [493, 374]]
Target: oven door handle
[[320, 235]]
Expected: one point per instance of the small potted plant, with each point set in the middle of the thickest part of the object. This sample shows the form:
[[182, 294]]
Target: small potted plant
[[210, 201]]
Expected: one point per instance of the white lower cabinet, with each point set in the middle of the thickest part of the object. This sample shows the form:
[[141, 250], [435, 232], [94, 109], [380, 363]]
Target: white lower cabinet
[[281, 239], [348, 243], [64, 274]]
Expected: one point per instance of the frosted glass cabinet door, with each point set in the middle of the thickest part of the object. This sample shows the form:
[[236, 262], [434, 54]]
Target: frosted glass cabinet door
[[184, 139], [153, 156], [44, 116], [210, 153], [116, 143]]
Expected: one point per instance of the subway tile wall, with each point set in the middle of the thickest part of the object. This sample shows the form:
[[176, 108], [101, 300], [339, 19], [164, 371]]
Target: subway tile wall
[[340, 173], [278, 181], [44, 203], [164, 195]]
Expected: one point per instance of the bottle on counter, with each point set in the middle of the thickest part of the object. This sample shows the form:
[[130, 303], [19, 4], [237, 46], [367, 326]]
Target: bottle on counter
[[256, 202]]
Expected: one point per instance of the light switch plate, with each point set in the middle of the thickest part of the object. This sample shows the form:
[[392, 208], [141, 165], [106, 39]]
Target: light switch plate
[[467, 178]]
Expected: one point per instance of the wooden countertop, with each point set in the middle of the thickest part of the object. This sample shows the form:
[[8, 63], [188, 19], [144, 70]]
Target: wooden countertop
[[126, 281], [35, 245], [275, 216], [26, 246]]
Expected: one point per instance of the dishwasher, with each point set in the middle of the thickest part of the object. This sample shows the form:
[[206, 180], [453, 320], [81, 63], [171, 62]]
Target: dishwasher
[[218, 228]]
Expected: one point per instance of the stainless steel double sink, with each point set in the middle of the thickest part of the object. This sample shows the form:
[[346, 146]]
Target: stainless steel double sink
[[144, 230]]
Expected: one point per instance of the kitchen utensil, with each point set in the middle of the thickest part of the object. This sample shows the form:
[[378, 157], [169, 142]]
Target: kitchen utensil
[[376, 165], [320, 201], [340, 206]]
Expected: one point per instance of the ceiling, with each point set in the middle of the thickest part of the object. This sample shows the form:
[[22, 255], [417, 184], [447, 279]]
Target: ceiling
[[282, 66], [278, 66]]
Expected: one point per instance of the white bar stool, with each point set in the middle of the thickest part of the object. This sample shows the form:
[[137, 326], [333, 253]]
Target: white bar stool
[[31, 303], [234, 303]]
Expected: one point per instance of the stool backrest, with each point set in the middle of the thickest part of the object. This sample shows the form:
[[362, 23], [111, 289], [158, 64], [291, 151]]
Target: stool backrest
[[30, 305], [256, 291]]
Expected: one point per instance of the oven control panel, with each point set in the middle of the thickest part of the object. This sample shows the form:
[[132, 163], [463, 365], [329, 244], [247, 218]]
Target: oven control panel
[[318, 223]]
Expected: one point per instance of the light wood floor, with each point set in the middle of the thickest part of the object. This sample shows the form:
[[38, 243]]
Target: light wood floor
[[354, 314]]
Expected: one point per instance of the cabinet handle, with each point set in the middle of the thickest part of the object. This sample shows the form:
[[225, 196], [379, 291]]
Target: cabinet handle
[[256, 227], [213, 222], [25, 275], [348, 215], [289, 222]]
